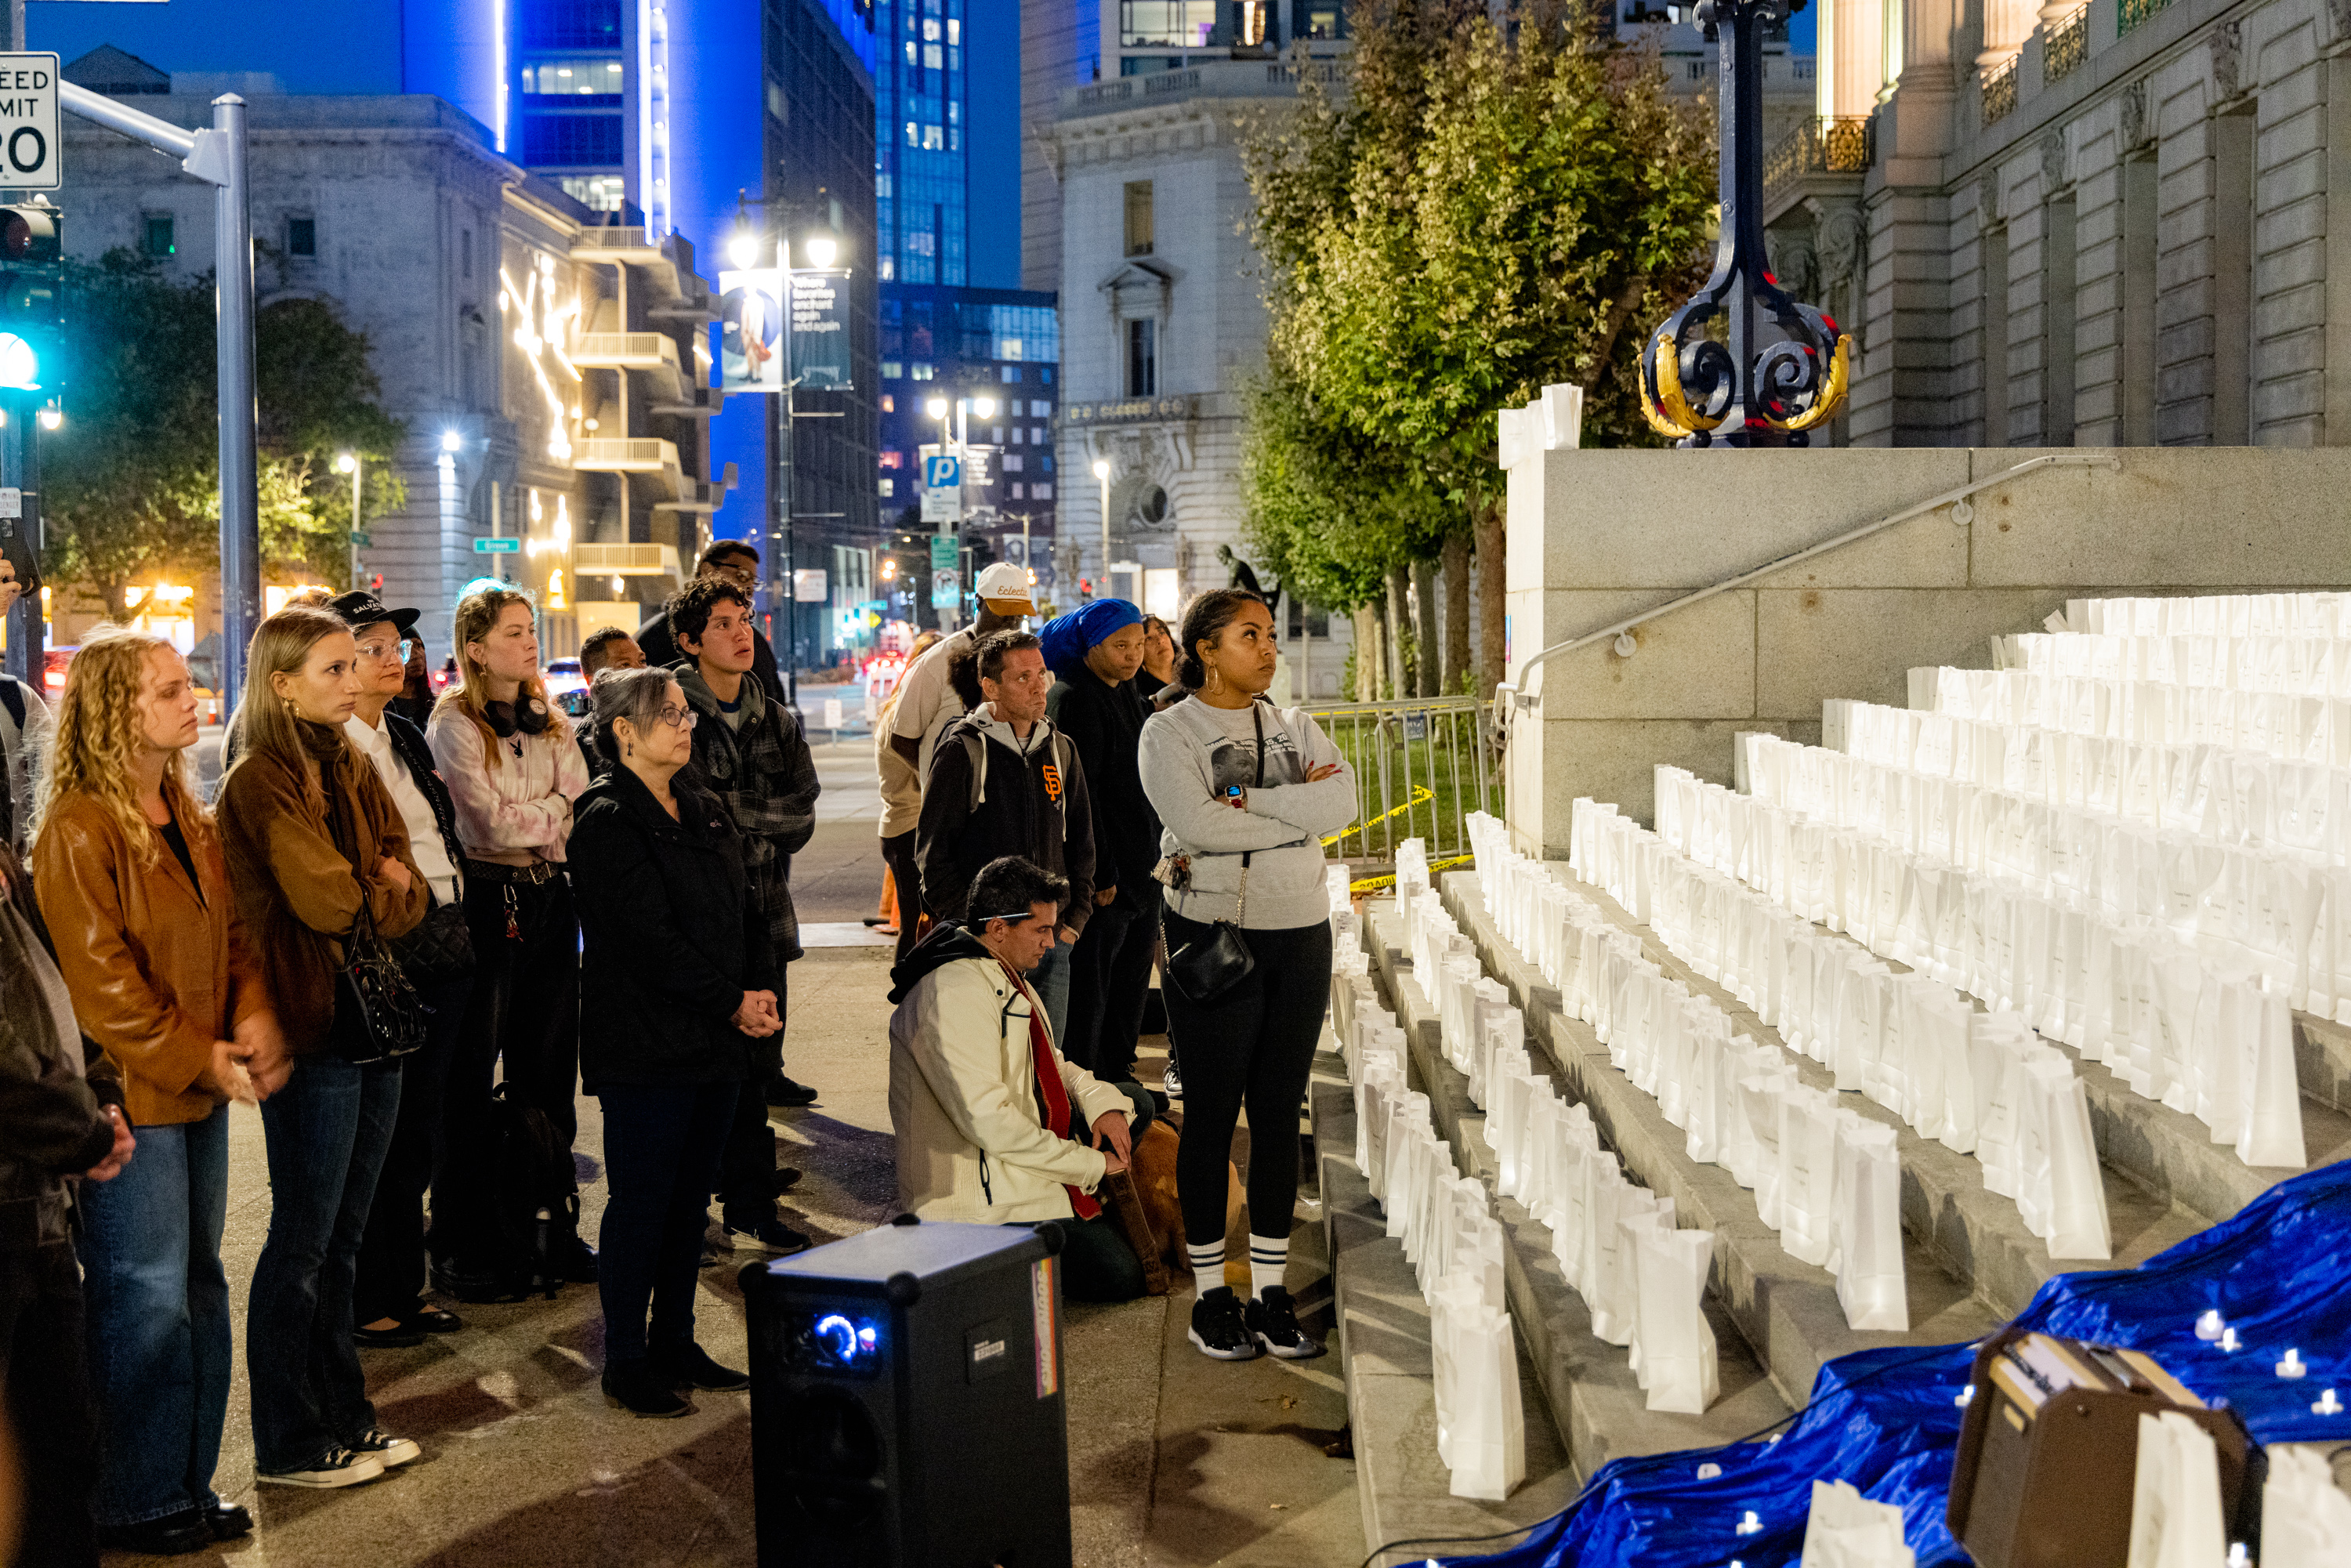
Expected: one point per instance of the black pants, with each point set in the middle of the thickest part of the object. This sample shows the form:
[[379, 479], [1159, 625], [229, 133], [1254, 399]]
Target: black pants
[[54, 1421], [661, 1152], [391, 1282], [1253, 1046], [906, 877], [1109, 979], [1097, 1265], [525, 1010], [747, 1166]]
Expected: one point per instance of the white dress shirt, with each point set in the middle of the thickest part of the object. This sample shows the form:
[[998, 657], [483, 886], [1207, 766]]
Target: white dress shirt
[[425, 845]]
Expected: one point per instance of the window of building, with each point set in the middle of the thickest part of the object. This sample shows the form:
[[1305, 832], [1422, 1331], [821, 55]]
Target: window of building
[[464, 253], [894, 459], [1045, 374], [570, 25], [1142, 359], [1016, 492], [889, 486], [575, 141], [579, 78], [597, 193], [893, 369], [155, 234], [889, 403], [1166, 24], [1041, 492], [1138, 217], [1322, 24], [302, 238], [923, 372], [1046, 462], [1012, 372], [1014, 463]]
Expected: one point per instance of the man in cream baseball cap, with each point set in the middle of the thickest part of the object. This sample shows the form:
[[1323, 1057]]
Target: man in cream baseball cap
[[1004, 589]]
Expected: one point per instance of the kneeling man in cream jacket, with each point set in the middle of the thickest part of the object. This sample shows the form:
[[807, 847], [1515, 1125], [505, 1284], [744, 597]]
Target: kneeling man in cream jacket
[[991, 1121]]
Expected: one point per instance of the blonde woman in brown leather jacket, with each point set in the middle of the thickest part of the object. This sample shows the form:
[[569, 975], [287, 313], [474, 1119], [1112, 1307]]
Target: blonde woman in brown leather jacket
[[129, 870], [313, 840]]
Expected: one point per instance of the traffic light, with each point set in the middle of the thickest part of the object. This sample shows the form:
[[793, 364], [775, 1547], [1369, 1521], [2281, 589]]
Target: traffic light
[[32, 297]]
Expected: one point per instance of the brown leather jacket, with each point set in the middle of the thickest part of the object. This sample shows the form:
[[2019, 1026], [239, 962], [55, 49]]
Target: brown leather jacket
[[158, 967], [296, 890], [51, 1128]]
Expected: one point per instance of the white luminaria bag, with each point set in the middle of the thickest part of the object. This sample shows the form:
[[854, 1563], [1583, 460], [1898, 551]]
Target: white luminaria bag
[[1608, 1284], [2270, 1130], [2305, 1518], [1759, 1106], [2061, 1192], [1845, 1530], [1807, 1195], [2176, 1496], [1678, 1349], [1871, 1287], [1480, 1422]]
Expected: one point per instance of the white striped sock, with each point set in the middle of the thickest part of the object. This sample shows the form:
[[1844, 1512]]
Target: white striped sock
[[1208, 1265], [1268, 1261]]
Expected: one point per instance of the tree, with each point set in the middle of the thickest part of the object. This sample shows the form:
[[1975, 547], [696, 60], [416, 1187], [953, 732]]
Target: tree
[[130, 483], [1481, 208]]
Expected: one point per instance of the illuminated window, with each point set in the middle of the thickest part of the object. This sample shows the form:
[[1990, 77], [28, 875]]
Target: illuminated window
[[889, 403], [923, 372], [889, 486], [155, 234], [935, 59], [891, 371], [1138, 217]]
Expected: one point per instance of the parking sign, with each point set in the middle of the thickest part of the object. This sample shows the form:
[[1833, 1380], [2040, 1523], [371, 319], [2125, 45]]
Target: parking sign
[[942, 472]]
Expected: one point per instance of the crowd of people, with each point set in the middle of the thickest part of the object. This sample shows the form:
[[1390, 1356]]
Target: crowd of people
[[411, 935]]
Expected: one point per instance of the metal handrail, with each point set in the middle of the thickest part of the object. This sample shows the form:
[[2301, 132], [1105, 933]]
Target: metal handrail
[[1509, 695]]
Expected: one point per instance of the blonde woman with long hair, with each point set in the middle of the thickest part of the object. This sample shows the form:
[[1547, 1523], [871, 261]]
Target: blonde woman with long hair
[[513, 771], [130, 872], [315, 842]]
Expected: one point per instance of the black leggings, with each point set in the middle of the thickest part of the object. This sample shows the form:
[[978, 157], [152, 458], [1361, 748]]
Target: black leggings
[[1254, 1045]]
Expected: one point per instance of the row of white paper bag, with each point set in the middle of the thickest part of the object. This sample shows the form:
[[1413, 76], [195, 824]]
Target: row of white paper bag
[[1828, 1179], [2273, 723], [2212, 614], [2272, 661], [2209, 1033]]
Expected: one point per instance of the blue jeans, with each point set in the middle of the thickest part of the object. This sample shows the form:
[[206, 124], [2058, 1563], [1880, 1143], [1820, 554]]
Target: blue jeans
[[327, 1130], [1050, 979], [662, 1148], [159, 1330]]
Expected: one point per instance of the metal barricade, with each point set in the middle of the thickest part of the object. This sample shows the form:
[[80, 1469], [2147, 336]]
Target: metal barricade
[[1420, 767]]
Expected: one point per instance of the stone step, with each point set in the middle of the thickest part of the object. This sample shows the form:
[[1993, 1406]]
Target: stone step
[[2322, 1060], [1594, 1397], [1402, 1486], [2168, 1155], [1785, 1311]]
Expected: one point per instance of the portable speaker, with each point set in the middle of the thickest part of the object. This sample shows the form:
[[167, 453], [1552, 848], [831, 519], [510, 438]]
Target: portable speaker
[[2048, 1454], [907, 1403]]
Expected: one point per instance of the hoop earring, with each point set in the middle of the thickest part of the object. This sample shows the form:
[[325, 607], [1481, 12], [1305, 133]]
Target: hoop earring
[[1215, 678]]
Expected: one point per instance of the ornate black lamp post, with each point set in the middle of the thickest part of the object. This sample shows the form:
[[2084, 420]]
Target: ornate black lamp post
[[1747, 393]]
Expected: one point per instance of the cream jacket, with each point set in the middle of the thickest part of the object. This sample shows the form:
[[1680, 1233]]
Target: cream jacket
[[972, 1144]]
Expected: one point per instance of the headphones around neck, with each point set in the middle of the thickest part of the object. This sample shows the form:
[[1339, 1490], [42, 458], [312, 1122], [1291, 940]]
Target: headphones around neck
[[505, 718]]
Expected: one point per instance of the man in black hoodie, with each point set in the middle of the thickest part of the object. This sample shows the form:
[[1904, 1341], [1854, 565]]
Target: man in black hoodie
[[1004, 782]]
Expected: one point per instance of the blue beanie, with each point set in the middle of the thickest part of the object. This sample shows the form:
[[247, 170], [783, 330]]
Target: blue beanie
[[1066, 638]]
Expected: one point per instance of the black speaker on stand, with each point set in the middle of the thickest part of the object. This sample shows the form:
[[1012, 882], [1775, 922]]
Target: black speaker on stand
[[906, 1401]]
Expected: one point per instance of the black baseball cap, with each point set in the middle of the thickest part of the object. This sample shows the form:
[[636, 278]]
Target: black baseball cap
[[360, 608]]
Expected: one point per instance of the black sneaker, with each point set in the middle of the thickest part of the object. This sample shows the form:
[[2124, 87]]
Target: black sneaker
[[227, 1521], [783, 1091], [691, 1367], [338, 1466], [571, 1260], [1220, 1329], [394, 1451], [1273, 1320], [637, 1386], [174, 1535], [477, 1285], [765, 1235]]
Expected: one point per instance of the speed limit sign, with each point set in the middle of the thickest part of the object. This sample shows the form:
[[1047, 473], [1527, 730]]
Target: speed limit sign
[[28, 122]]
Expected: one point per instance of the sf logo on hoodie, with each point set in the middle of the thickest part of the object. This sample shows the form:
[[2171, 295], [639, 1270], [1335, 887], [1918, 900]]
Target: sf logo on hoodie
[[1053, 782]]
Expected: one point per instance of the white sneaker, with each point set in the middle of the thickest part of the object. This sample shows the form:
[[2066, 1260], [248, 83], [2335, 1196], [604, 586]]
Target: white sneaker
[[335, 1467], [1173, 1085]]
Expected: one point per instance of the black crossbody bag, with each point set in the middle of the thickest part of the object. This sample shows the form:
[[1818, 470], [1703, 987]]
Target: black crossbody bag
[[378, 1014], [1207, 968]]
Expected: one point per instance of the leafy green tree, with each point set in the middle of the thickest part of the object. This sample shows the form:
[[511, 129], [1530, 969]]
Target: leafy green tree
[[130, 483], [1482, 207]]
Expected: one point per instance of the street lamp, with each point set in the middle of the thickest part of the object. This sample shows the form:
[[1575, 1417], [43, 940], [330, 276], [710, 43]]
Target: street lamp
[[821, 249], [743, 248], [1101, 475], [349, 462]]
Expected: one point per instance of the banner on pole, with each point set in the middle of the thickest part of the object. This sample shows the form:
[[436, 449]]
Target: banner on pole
[[751, 331], [820, 331]]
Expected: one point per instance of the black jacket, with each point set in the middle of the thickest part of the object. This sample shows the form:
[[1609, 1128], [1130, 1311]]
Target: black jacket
[[1104, 722], [672, 939], [409, 742], [662, 650], [50, 1124], [1027, 805]]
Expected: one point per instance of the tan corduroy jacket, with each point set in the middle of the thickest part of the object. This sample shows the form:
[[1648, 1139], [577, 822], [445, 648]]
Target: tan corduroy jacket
[[298, 892], [158, 967]]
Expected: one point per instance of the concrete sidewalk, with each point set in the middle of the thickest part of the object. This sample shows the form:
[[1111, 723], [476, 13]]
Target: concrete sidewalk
[[1175, 1459]]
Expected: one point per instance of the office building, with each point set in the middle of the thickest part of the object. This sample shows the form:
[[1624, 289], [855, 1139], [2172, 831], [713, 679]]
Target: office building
[[542, 360]]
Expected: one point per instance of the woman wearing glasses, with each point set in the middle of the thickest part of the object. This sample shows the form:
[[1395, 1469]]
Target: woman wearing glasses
[[388, 1298], [677, 980]]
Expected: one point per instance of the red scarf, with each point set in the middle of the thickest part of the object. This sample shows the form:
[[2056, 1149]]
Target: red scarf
[[1052, 1095]]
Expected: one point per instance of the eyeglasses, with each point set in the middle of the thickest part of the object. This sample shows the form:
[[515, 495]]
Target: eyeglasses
[[398, 651], [677, 717]]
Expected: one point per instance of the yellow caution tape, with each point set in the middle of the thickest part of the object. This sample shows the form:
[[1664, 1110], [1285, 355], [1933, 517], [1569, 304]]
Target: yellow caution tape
[[1421, 792]]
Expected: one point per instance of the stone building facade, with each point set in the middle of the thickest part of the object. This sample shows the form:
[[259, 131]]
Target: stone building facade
[[549, 367], [2119, 224]]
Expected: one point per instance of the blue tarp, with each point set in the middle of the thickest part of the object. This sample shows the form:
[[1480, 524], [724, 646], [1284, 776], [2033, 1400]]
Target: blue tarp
[[1886, 1420]]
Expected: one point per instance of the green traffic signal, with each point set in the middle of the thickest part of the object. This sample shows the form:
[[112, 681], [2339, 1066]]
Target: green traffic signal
[[32, 296]]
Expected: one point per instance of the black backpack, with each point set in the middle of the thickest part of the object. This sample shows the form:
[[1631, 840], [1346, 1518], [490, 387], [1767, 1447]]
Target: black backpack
[[535, 1201]]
